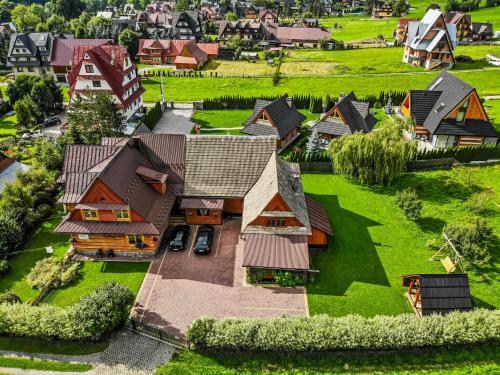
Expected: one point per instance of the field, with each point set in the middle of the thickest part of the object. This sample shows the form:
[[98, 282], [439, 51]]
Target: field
[[223, 67], [92, 275], [492, 108], [374, 245], [7, 127], [481, 359], [189, 89]]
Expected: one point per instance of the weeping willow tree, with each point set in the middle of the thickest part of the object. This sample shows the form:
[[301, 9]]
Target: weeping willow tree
[[378, 157]]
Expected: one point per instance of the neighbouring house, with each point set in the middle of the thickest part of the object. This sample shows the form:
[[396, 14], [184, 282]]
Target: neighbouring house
[[252, 12], [401, 32], [268, 16], [448, 113], [161, 7], [384, 11], [348, 116], [209, 13], [8, 169], [182, 25], [307, 22], [129, 10], [279, 118], [120, 196], [185, 54], [438, 293], [247, 31], [30, 54], [430, 42], [301, 37], [106, 68], [462, 22], [482, 31], [63, 53]]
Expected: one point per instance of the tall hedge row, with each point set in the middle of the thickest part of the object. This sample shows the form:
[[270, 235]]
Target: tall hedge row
[[462, 154], [321, 332], [152, 116], [91, 317]]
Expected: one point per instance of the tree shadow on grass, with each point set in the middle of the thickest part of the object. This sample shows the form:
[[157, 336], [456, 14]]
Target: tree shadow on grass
[[477, 302], [352, 254], [430, 224]]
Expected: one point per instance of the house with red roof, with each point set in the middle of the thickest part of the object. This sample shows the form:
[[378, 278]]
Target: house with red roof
[[185, 54], [62, 53], [401, 32], [106, 68]]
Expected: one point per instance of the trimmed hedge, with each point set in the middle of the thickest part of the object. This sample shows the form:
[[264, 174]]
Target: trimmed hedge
[[321, 332], [91, 317], [462, 154], [152, 116]]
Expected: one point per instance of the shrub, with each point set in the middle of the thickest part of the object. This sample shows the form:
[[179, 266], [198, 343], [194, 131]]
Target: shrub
[[11, 234], [9, 297], [52, 272], [287, 279], [152, 116], [474, 240], [276, 77], [4, 267], [44, 211], [432, 244], [408, 201], [91, 317], [352, 332], [480, 202]]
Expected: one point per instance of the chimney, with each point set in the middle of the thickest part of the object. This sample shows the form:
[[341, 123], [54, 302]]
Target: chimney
[[341, 95], [289, 101], [197, 129]]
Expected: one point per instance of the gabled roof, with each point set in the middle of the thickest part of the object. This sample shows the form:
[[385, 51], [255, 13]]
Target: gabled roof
[[282, 114], [356, 114], [152, 43], [224, 166], [302, 34], [33, 42], [482, 28], [318, 216], [443, 293], [421, 103], [456, 17], [63, 49], [417, 32], [403, 22], [279, 178]]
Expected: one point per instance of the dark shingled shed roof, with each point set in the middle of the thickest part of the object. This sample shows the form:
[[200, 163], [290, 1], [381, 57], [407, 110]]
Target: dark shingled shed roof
[[284, 116], [443, 293]]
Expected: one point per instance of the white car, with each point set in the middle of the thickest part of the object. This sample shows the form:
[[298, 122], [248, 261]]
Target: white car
[[35, 134]]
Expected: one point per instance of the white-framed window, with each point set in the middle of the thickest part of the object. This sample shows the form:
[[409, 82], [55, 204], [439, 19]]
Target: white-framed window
[[96, 83], [89, 68]]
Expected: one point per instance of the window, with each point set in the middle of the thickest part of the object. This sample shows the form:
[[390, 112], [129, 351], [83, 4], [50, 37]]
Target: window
[[89, 69], [17, 50], [19, 69], [90, 215], [83, 237], [202, 212], [134, 239], [444, 141], [122, 215], [276, 222], [96, 83], [462, 111], [31, 69]]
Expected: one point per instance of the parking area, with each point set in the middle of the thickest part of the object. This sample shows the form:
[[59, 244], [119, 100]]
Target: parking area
[[181, 286]]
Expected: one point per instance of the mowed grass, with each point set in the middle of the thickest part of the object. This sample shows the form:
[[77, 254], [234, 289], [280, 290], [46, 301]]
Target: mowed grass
[[481, 359], [188, 89], [374, 245], [92, 275], [224, 67], [492, 108], [35, 364], [8, 127]]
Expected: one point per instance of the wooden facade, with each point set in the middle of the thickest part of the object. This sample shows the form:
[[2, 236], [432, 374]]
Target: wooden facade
[[317, 238], [200, 216], [119, 243]]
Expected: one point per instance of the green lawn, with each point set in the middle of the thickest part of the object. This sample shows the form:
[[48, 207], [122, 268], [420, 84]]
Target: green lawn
[[373, 244], [33, 364], [224, 67], [188, 89], [93, 274], [7, 127], [480, 359], [492, 108]]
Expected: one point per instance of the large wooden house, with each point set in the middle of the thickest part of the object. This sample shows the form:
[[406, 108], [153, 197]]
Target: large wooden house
[[279, 118], [448, 113], [401, 32], [348, 116], [437, 293], [384, 11], [482, 31], [462, 22], [430, 42], [120, 195]]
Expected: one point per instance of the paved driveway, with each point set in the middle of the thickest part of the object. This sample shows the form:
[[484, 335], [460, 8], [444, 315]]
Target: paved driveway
[[176, 121], [182, 286]]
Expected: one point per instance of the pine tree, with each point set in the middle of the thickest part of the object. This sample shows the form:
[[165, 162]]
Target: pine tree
[[312, 146]]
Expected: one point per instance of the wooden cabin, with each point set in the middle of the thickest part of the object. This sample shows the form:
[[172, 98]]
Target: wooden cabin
[[384, 11], [462, 23], [448, 113], [438, 294]]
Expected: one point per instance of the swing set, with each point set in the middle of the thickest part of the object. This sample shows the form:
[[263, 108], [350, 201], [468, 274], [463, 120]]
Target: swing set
[[452, 260]]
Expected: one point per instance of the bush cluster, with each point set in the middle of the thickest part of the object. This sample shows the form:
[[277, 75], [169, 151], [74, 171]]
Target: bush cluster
[[53, 272], [152, 116], [4, 267], [409, 203], [9, 297], [90, 318], [289, 279], [462, 154], [352, 332]]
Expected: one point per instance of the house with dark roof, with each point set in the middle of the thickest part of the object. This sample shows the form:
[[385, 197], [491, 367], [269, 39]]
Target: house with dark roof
[[382, 11], [438, 293], [181, 25], [348, 116], [30, 54], [448, 113], [278, 118], [462, 22], [482, 31], [185, 54], [63, 53], [247, 31], [106, 68], [430, 42], [119, 195]]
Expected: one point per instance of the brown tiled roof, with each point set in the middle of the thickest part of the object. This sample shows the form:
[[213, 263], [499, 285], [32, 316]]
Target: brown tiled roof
[[152, 44], [63, 49], [212, 204], [278, 178], [106, 227], [276, 252], [101, 206], [209, 48], [5, 162], [318, 216], [224, 166], [302, 34], [151, 173]]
